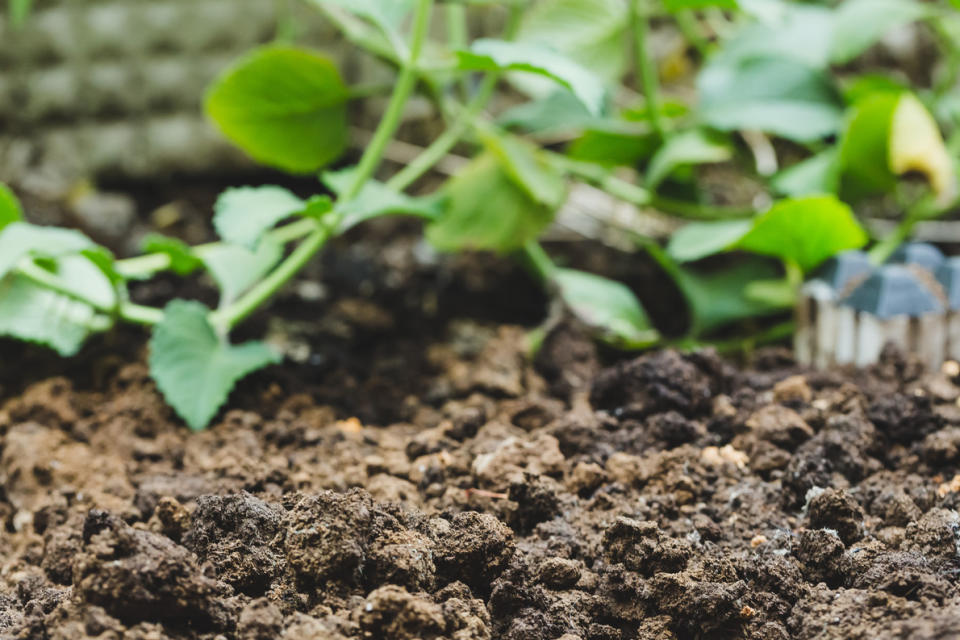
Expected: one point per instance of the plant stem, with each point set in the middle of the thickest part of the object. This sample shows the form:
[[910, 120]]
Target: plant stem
[[140, 314], [690, 28], [601, 177], [128, 311], [401, 93], [645, 68], [142, 266], [227, 318], [948, 80], [539, 262], [459, 127], [441, 146], [920, 210], [457, 38]]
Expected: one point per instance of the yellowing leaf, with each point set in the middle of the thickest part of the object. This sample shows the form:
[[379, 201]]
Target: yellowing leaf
[[916, 145]]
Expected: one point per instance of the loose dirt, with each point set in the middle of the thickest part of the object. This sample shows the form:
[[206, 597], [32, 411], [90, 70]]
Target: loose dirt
[[412, 473]]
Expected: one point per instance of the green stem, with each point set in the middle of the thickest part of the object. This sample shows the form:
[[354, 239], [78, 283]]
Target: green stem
[[645, 67], [229, 317], [391, 119], [794, 274], [948, 80], [128, 311], [143, 266], [601, 177], [690, 28], [140, 314], [463, 122], [441, 146], [920, 210], [539, 262], [457, 37]]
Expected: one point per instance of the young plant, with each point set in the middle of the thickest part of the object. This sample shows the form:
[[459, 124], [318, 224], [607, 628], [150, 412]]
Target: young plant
[[768, 71]]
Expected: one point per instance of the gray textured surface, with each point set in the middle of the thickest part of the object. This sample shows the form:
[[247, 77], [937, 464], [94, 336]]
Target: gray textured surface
[[115, 86]]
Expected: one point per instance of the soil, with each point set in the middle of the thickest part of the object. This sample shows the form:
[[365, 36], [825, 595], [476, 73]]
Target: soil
[[410, 472]]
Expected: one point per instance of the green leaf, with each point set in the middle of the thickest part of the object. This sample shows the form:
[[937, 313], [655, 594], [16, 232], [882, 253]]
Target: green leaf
[[374, 200], [805, 231], [614, 143], [243, 214], [19, 239], [864, 147], [774, 95], [589, 32], [701, 239], [868, 84], [182, 260], [683, 5], [10, 209], [235, 269], [194, 369], [487, 210], [487, 54], [890, 134], [858, 24], [817, 174], [719, 296], [19, 10], [80, 275], [34, 313], [525, 164], [558, 112], [799, 33], [691, 147], [285, 107], [608, 306], [388, 15]]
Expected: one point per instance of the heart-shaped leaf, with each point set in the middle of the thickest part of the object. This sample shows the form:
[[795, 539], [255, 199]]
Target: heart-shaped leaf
[[194, 368]]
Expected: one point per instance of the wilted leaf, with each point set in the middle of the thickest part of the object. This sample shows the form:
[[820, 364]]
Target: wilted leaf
[[890, 134], [916, 145]]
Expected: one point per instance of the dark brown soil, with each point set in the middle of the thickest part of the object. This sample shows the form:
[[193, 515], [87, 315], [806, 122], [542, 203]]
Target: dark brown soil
[[415, 475]]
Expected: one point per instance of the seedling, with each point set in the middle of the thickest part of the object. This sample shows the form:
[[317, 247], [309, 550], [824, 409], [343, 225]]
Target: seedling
[[287, 107]]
